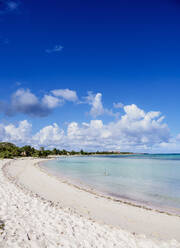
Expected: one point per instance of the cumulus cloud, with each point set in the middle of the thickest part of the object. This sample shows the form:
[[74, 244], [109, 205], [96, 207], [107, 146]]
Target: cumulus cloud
[[66, 94], [18, 134], [23, 99], [25, 102], [133, 112], [55, 49], [51, 101], [136, 130], [95, 101], [50, 136], [97, 108]]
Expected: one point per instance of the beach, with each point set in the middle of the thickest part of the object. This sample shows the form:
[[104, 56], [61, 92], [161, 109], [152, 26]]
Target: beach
[[39, 210]]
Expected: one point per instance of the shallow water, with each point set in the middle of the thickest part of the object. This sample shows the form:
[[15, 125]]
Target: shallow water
[[151, 180]]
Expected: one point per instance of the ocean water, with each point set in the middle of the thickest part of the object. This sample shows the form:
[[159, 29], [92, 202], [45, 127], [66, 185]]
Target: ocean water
[[149, 180]]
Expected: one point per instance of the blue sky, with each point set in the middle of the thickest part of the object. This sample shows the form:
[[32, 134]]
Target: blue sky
[[72, 62]]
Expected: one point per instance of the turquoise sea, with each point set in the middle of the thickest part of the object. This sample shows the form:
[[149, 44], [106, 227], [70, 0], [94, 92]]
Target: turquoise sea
[[149, 180]]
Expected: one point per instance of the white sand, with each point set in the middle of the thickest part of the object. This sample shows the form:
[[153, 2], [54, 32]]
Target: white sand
[[31, 221]]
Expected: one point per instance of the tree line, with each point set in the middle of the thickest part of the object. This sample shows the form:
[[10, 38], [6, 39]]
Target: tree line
[[9, 150]]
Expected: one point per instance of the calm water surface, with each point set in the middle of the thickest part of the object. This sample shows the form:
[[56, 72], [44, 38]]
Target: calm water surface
[[152, 180]]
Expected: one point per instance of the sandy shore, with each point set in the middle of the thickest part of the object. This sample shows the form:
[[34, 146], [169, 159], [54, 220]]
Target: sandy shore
[[40, 211]]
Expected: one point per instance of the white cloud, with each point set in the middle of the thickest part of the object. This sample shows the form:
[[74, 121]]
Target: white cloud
[[49, 136], [24, 98], [97, 108], [55, 49], [90, 136], [133, 112], [136, 130], [51, 101], [95, 101], [118, 105], [24, 101], [66, 94], [19, 134]]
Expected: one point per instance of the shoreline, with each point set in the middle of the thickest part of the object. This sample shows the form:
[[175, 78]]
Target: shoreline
[[139, 221], [89, 189]]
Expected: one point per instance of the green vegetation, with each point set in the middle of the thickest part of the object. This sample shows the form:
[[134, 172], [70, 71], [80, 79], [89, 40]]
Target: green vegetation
[[9, 150]]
